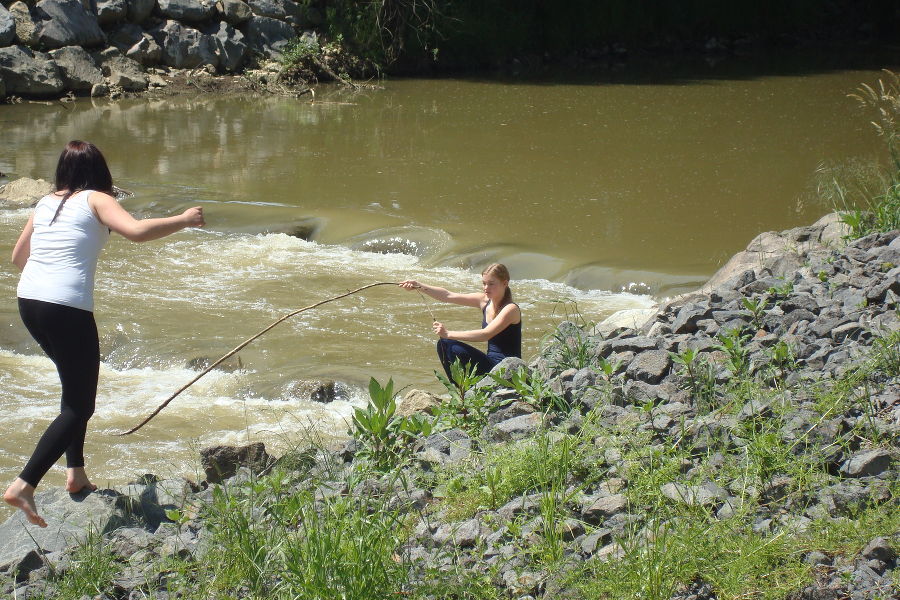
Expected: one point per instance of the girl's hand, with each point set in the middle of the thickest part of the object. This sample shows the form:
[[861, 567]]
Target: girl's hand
[[439, 329], [410, 284], [194, 217]]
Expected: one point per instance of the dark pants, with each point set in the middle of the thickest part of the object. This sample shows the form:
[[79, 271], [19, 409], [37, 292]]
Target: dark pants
[[449, 350], [69, 337]]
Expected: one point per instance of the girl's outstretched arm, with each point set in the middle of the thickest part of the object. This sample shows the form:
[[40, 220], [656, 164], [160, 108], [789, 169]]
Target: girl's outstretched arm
[[438, 293]]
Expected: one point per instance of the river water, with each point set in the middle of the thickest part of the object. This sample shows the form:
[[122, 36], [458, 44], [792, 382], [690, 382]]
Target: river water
[[599, 196]]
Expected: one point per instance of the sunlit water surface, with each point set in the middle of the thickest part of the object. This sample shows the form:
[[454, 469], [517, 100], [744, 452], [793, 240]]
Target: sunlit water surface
[[598, 195]]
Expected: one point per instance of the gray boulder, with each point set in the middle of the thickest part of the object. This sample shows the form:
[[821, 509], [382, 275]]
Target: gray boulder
[[417, 402], [7, 27], [122, 71], [282, 10], [146, 51], [221, 462], [274, 9], [867, 463], [27, 26], [70, 517], [649, 367], [24, 192], [78, 70], [516, 428], [595, 510], [185, 47], [125, 36], [234, 11], [187, 11], [28, 73], [706, 494], [67, 23], [269, 36], [111, 11], [139, 10]]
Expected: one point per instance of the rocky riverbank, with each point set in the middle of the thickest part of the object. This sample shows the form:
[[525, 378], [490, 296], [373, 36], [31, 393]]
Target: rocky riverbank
[[57, 48], [740, 441]]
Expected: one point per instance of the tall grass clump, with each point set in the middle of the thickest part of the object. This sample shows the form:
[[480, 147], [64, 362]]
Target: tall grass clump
[[867, 197], [89, 572]]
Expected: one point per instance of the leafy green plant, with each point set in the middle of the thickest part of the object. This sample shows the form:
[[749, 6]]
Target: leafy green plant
[[697, 374], [782, 359], [757, 309], [383, 436], [736, 353], [607, 369], [781, 291], [532, 389], [468, 407]]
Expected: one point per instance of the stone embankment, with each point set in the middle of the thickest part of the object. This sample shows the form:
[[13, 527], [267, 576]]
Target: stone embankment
[[794, 312], [56, 47]]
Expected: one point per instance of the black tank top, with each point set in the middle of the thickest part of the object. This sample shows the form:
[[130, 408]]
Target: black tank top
[[506, 343]]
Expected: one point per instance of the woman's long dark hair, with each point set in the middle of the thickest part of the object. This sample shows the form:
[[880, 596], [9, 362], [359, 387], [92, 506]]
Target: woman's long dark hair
[[81, 167], [500, 271]]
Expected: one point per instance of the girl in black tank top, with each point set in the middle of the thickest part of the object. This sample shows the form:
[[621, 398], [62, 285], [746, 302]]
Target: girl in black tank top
[[501, 327]]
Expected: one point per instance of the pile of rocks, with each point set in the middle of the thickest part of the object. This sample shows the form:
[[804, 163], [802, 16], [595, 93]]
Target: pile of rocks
[[52, 47], [828, 303]]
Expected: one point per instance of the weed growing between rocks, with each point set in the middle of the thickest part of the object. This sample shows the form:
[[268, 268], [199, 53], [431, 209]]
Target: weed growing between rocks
[[868, 198]]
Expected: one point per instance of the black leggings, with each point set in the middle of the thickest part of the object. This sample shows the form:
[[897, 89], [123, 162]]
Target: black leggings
[[450, 350], [69, 337]]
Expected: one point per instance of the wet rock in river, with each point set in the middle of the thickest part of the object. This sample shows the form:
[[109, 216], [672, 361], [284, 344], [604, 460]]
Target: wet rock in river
[[315, 390], [25, 191]]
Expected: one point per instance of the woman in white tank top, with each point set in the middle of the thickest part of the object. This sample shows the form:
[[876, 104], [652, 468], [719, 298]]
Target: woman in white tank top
[[57, 252]]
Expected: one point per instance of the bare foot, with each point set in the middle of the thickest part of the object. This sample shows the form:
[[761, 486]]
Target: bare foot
[[77, 481], [21, 495]]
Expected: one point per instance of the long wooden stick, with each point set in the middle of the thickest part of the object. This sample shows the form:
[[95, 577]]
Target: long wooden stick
[[240, 346]]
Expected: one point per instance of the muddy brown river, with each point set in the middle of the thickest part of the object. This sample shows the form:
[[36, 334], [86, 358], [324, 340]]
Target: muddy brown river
[[599, 196]]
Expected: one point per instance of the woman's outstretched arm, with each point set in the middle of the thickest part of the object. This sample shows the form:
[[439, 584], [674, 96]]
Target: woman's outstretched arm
[[111, 214], [439, 293], [509, 315]]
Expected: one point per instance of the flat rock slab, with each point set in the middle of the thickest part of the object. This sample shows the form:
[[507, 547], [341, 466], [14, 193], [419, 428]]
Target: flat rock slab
[[70, 517]]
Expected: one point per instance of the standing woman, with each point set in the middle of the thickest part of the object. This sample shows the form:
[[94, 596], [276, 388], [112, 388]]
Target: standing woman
[[501, 322], [57, 253]]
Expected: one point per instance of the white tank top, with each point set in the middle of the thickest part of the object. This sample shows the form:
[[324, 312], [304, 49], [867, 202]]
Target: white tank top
[[63, 259]]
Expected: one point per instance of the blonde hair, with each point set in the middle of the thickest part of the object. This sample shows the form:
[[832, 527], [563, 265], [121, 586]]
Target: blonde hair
[[500, 271]]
